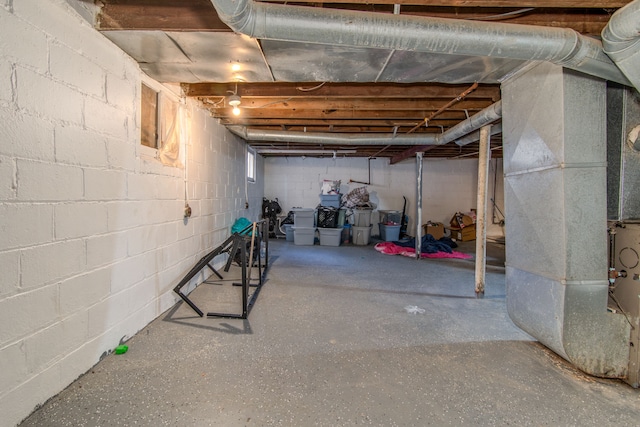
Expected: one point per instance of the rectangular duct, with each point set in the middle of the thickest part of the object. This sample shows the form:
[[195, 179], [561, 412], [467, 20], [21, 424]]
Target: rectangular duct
[[623, 160], [554, 129]]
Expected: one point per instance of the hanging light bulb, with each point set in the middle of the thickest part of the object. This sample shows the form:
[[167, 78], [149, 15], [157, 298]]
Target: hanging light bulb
[[234, 101]]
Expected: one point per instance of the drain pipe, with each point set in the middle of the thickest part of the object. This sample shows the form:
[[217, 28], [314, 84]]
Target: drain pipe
[[484, 117], [621, 41], [561, 46]]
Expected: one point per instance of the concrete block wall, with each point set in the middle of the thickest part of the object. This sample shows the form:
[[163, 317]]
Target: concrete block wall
[[92, 234], [448, 185]]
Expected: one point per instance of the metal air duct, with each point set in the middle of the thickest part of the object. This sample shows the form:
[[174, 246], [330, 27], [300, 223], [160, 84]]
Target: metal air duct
[[621, 41], [488, 115], [561, 46], [331, 138]]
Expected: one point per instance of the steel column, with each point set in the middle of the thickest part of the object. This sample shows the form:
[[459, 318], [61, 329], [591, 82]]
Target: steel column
[[418, 202]]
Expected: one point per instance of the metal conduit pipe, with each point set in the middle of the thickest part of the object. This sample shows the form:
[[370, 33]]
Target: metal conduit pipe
[[486, 116], [561, 46], [621, 41]]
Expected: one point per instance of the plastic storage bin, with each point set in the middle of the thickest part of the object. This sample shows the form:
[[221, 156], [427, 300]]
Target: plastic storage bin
[[361, 235], [303, 217], [389, 233], [330, 236], [390, 217], [303, 235], [330, 200], [288, 232], [362, 217]]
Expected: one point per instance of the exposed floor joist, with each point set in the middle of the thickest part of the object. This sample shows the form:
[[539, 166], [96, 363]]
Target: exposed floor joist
[[327, 106]]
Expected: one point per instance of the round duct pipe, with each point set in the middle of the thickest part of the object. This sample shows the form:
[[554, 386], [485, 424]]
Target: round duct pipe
[[561, 46]]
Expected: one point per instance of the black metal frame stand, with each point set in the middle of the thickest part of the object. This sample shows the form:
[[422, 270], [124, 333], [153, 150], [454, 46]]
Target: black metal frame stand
[[259, 233]]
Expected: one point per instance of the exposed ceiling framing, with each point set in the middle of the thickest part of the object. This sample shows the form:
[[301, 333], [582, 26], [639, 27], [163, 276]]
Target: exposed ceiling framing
[[315, 88]]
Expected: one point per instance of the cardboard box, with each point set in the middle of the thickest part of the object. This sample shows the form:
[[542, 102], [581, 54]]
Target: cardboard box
[[460, 220], [463, 234], [436, 229]]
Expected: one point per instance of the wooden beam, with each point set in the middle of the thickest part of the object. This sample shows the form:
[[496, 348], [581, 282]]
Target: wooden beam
[[248, 114], [340, 90], [411, 152], [338, 125], [329, 104], [354, 128], [167, 15]]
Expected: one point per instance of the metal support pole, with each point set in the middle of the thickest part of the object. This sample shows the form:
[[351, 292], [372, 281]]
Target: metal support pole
[[418, 203], [481, 208]]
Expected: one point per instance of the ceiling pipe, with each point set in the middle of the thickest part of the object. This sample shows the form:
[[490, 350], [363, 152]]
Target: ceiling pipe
[[561, 46], [621, 41], [475, 136], [331, 138], [486, 116], [303, 152]]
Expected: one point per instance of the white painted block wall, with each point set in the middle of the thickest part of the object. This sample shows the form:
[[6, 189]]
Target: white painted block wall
[[92, 236], [448, 185]]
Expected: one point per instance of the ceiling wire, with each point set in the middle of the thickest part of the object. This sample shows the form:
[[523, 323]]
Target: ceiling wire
[[209, 102], [310, 89], [449, 104], [506, 15]]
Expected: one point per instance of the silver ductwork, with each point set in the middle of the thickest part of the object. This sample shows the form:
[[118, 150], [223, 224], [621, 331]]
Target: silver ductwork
[[554, 157], [487, 116], [621, 41], [331, 138], [561, 46]]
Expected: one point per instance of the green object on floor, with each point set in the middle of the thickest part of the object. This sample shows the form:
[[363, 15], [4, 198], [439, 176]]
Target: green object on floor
[[121, 349]]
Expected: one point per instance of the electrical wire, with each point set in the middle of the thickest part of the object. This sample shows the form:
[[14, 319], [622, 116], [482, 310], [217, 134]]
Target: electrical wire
[[310, 89], [500, 16], [443, 108], [206, 101], [613, 297]]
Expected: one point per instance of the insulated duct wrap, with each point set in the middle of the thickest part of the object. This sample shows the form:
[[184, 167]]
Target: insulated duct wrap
[[621, 41], [487, 116], [561, 46]]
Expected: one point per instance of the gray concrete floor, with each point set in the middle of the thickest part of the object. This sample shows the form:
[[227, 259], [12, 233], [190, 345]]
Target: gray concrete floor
[[329, 343]]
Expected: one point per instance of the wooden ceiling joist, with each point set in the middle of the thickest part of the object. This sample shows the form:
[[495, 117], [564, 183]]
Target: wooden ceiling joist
[[339, 90], [247, 114], [357, 108]]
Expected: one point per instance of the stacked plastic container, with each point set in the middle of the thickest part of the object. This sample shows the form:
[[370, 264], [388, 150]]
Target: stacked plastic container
[[330, 220], [390, 225], [361, 226], [304, 230], [288, 232]]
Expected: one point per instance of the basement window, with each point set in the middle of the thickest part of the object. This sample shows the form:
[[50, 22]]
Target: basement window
[[149, 117], [251, 165]]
